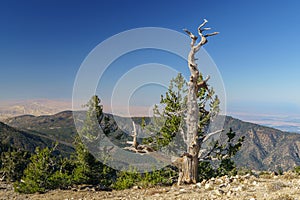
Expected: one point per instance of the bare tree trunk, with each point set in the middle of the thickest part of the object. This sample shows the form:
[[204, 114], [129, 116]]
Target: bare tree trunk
[[135, 143], [189, 167]]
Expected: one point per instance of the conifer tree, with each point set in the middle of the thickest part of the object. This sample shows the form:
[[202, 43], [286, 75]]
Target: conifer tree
[[88, 169], [13, 164], [37, 175]]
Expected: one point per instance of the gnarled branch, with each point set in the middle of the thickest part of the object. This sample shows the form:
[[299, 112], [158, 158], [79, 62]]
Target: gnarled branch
[[196, 47], [203, 84], [206, 137]]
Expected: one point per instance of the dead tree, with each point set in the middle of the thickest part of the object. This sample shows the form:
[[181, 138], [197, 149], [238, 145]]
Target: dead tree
[[188, 162], [135, 146], [134, 143]]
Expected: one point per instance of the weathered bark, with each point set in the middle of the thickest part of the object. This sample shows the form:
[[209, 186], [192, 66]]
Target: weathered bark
[[189, 161]]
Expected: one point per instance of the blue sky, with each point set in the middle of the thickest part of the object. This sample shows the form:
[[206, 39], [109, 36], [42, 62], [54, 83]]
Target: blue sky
[[43, 43]]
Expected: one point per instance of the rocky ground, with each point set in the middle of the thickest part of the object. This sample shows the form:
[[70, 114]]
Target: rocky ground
[[247, 187]]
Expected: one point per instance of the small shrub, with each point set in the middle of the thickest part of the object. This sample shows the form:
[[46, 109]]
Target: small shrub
[[265, 174], [127, 179], [290, 175], [297, 170], [157, 177], [206, 171], [244, 171], [148, 179], [276, 186], [279, 170], [226, 167], [283, 197]]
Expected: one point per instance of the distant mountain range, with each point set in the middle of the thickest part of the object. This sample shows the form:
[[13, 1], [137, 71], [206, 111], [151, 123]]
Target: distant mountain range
[[32, 107], [284, 122], [264, 148], [38, 107]]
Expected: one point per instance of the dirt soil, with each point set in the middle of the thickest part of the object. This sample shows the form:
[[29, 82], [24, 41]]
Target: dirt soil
[[268, 187]]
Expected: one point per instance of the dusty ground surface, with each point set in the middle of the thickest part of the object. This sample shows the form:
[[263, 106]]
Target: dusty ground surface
[[269, 187]]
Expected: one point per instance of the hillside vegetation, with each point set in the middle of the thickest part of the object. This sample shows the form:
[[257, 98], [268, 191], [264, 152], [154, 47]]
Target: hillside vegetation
[[264, 148]]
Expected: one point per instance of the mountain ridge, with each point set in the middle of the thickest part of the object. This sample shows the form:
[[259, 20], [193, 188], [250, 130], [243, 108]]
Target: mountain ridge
[[264, 148], [25, 141]]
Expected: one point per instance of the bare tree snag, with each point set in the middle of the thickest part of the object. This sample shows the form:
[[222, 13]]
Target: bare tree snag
[[189, 161], [135, 146], [135, 143]]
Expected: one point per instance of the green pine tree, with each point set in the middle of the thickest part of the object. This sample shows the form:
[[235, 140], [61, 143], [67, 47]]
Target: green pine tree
[[37, 175], [94, 115], [13, 164], [88, 170], [167, 122]]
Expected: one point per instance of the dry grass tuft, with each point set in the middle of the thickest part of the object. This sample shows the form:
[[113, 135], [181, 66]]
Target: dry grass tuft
[[283, 197], [290, 175], [275, 186]]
